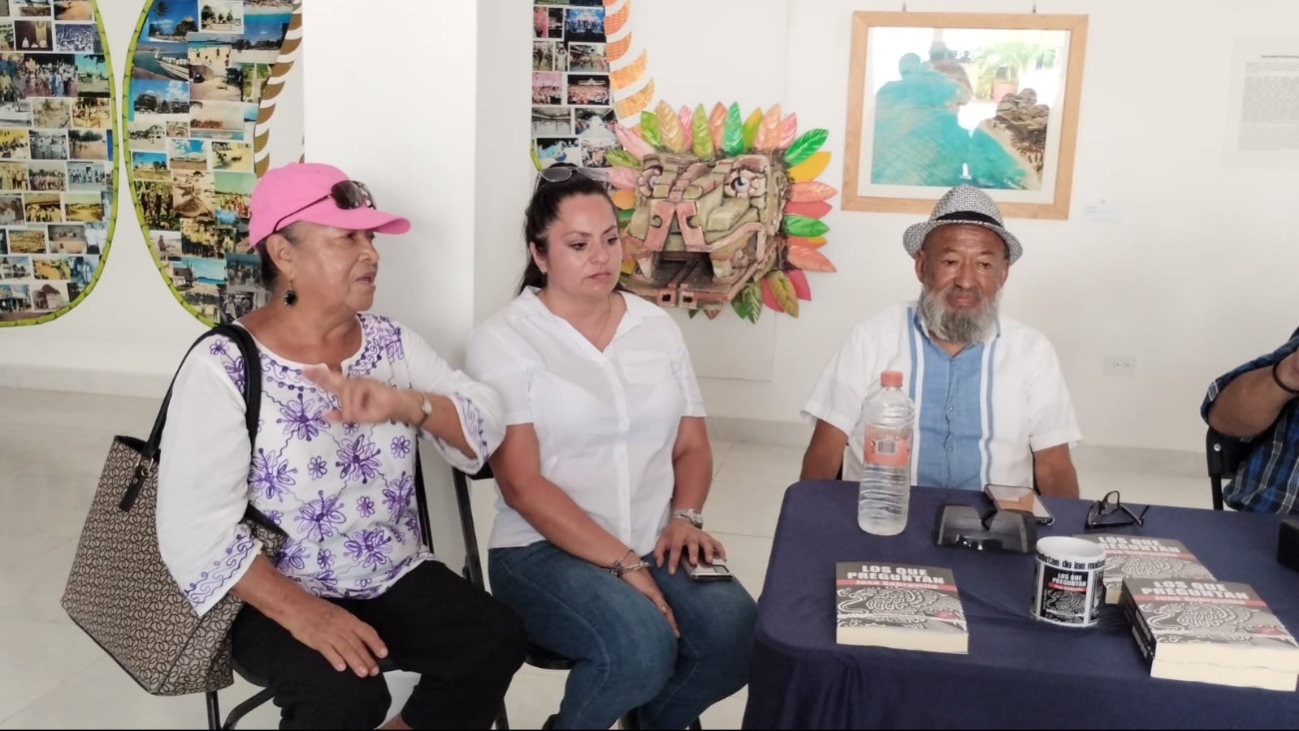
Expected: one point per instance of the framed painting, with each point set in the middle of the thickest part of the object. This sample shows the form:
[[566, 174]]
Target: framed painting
[[936, 100]]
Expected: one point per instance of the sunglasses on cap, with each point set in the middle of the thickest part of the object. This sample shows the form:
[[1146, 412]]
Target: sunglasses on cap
[[564, 173], [348, 195]]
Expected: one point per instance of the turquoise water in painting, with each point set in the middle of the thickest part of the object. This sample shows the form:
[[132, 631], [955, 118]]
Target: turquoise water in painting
[[919, 139]]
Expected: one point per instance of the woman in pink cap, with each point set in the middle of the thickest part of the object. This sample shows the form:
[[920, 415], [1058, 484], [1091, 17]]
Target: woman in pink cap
[[345, 398]]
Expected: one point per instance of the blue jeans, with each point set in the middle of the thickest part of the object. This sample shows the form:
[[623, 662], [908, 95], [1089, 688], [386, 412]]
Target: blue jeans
[[625, 655]]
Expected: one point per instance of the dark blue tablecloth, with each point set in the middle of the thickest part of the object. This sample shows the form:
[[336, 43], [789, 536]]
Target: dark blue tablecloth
[[1019, 673]]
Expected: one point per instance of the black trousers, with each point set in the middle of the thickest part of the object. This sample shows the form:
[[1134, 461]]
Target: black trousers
[[465, 645]]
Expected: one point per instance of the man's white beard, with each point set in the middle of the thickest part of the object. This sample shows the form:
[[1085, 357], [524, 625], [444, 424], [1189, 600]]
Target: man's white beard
[[962, 325]]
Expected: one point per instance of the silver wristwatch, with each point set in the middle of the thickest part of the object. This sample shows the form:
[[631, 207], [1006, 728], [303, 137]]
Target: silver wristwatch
[[425, 409], [690, 514]]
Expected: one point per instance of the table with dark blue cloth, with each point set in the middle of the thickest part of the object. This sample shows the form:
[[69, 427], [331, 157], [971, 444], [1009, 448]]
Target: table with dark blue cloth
[[1019, 673]]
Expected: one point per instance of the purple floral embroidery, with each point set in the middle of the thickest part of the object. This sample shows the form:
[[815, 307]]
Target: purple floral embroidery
[[393, 347], [235, 369], [270, 476], [301, 418], [381, 337], [397, 569], [337, 548], [359, 458], [279, 375], [319, 517], [223, 569], [327, 581], [370, 547], [397, 494], [292, 556], [412, 524], [474, 425], [317, 467]]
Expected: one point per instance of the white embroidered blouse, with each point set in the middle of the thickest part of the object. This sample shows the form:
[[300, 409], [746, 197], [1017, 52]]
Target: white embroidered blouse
[[344, 493]]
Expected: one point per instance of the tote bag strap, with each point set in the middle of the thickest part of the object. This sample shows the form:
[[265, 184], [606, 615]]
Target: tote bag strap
[[252, 394]]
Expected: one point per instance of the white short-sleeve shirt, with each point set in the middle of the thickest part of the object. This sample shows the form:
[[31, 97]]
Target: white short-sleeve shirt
[[979, 415], [606, 422]]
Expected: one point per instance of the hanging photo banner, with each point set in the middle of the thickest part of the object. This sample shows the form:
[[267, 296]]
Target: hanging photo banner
[[718, 209], [58, 181], [203, 86], [572, 89]]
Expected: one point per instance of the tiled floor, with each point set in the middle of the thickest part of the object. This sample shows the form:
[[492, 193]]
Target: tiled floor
[[52, 676]]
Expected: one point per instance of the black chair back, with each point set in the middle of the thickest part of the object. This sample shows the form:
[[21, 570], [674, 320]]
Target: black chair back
[[473, 570], [1224, 456]]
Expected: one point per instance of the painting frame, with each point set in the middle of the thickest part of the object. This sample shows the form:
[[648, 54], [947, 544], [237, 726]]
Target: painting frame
[[857, 193]]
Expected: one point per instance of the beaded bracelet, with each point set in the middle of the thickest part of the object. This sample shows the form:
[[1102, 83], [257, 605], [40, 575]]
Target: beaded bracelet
[[618, 570]]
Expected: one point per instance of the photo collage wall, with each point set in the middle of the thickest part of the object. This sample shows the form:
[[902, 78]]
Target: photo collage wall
[[57, 177], [197, 73], [572, 102]]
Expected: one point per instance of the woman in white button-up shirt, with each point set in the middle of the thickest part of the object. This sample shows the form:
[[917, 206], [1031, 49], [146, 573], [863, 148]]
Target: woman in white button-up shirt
[[603, 475]]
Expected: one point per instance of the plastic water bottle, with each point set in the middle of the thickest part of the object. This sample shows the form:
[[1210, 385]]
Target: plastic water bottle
[[885, 493]]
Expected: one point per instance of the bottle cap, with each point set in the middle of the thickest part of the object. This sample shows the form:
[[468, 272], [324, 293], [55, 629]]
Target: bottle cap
[[891, 379]]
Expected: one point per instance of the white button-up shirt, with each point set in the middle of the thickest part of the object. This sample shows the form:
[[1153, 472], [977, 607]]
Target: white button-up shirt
[[979, 415], [606, 422]]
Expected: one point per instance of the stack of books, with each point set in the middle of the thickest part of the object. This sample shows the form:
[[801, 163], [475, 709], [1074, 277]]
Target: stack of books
[[1210, 632]]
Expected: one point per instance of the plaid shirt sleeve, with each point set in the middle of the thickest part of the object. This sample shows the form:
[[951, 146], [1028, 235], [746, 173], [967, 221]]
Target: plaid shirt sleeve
[[1267, 361], [1268, 480]]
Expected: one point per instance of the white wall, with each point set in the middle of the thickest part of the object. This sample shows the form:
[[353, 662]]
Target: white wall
[[410, 134], [1196, 278], [503, 171]]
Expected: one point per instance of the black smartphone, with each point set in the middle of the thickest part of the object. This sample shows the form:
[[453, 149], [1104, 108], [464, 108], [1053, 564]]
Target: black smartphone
[[1007, 497]]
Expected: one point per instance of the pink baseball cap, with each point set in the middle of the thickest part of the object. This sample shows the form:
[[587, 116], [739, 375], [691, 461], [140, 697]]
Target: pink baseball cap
[[301, 192]]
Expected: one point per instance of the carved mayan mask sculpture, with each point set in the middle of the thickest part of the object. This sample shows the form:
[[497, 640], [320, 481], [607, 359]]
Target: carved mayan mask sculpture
[[719, 210]]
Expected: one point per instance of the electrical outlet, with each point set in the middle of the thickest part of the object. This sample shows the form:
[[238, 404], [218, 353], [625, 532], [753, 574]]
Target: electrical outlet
[[1120, 365]]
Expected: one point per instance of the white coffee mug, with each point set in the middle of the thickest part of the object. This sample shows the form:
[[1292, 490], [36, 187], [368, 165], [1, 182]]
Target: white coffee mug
[[1070, 585]]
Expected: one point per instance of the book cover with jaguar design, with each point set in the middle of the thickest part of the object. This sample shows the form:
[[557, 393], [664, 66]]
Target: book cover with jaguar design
[[901, 607], [1133, 557]]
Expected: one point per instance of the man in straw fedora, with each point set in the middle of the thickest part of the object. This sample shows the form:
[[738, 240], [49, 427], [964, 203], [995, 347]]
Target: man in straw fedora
[[991, 403]]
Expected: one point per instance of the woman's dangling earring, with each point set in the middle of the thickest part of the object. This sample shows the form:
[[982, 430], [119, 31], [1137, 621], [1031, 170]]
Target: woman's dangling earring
[[290, 295]]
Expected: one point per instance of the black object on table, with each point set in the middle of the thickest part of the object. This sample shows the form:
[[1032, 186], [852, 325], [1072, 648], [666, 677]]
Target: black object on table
[[1287, 552], [1019, 673]]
